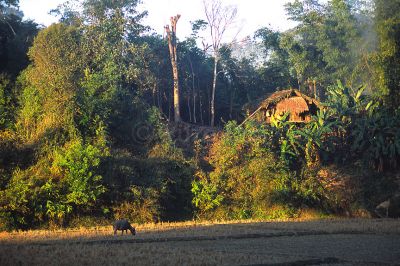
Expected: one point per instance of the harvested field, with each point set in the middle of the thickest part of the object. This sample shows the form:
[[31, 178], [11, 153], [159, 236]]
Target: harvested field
[[333, 242]]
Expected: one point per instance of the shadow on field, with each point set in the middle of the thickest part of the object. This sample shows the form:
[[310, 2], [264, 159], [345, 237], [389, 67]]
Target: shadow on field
[[206, 238], [204, 232]]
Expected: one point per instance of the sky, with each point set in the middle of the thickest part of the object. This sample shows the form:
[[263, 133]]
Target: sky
[[252, 14]]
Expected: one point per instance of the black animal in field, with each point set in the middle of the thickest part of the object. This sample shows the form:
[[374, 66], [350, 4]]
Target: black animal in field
[[123, 225]]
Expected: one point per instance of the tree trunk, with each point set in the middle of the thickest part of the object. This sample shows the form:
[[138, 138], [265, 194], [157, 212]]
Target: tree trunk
[[201, 108], [189, 108], [219, 19], [159, 102], [214, 86], [232, 95], [174, 63], [154, 94], [169, 108], [193, 92], [177, 113], [315, 88], [194, 107], [298, 83]]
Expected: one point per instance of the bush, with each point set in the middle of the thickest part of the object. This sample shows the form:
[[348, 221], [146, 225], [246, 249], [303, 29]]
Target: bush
[[371, 130], [77, 165], [22, 203], [160, 183], [143, 207], [54, 189], [7, 106], [246, 179]]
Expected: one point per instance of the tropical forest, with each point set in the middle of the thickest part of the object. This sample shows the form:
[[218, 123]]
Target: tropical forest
[[101, 118]]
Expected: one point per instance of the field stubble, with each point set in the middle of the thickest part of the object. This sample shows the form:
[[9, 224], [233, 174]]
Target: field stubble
[[374, 241]]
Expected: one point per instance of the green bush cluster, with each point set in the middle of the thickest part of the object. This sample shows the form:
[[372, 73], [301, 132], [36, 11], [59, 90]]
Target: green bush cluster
[[249, 178], [84, 143], [276, 170], [83, 180], [53, 188]]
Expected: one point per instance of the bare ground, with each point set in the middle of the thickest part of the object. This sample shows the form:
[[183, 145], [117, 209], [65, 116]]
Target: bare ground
[[324, 242]]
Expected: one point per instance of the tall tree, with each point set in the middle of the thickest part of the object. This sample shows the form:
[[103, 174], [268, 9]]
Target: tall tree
[[275, 70], [220, 18], [171, 34], [50, 84], [339, 41], [323, 46], [16, 36], [387, 20]]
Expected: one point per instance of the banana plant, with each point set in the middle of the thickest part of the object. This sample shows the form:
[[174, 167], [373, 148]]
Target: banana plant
[[377, 138], [372, 130], [348, 103], [289, 141], [316, 135]]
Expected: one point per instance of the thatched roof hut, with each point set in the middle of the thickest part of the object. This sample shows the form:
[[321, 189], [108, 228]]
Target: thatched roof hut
[[300, 106]]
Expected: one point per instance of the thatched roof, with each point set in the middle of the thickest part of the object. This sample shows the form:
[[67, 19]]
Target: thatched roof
[[280, 95], [286, 100], [295, 105]]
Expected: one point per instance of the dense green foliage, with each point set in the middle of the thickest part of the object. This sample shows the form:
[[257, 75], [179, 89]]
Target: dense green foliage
[[15, 38], [256, 167], [247, 177], [85, 106], [388, 56]]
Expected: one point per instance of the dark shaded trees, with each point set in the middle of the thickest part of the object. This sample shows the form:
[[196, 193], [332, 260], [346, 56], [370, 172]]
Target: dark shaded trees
[[387, 23], [15, 38], [276, 68]]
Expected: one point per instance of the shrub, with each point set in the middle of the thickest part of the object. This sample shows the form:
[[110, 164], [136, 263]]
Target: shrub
[[55, 188], [371, 130], [22, 203], [144, 206], [77, 165], [246, 177]]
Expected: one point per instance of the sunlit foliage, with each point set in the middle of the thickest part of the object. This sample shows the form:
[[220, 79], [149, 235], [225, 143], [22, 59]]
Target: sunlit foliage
[[86, 105]]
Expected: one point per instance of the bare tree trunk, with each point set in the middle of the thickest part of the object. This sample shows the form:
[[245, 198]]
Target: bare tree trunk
[[169, 107], [154, 94], [200, 108], [174, 62], [231, 102], [177, 113], [310, 86], [159, 102], [189, 108], [193, 91], [298, 84], [194, 107], [219, 19], [214, 86], [315, 88]]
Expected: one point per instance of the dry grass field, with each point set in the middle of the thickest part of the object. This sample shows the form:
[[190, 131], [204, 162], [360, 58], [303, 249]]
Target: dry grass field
[[317, 242]]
